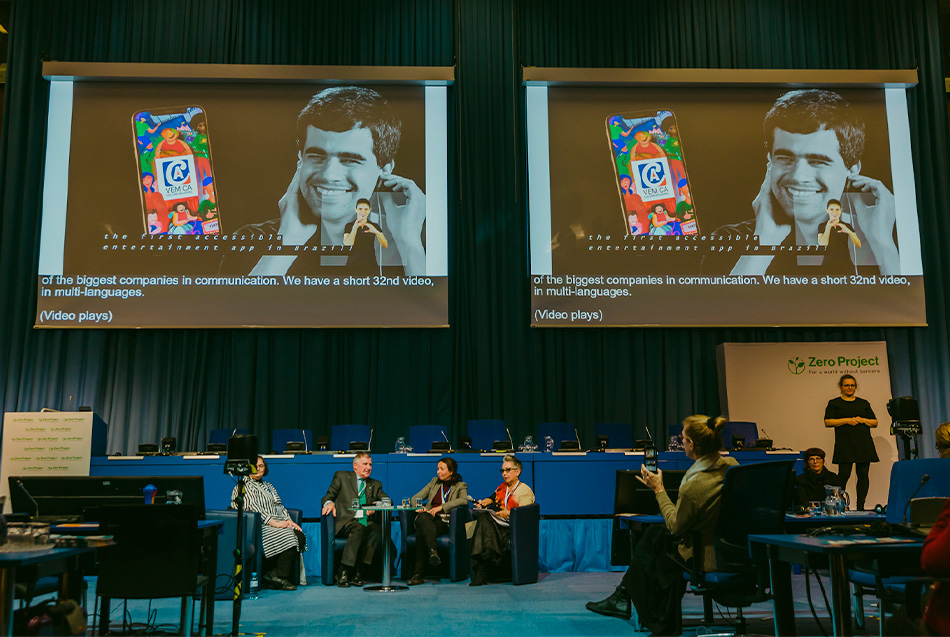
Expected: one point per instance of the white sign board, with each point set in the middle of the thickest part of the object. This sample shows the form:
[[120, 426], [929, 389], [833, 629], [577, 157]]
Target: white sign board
[[785, 387], [44, 444]]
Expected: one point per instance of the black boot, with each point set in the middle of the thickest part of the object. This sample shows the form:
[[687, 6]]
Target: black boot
[[617, 605], [479, 574]]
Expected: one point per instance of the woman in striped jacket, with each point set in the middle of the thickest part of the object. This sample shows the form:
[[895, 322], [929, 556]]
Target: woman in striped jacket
[[283, 539]]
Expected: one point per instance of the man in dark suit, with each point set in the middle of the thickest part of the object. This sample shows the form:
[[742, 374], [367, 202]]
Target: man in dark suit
[[363, 536]]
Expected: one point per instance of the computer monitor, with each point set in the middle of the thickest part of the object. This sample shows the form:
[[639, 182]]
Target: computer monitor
[[632, 496], [61, 497]]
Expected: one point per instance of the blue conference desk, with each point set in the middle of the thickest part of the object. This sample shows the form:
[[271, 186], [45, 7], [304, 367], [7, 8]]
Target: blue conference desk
[[565, 484]]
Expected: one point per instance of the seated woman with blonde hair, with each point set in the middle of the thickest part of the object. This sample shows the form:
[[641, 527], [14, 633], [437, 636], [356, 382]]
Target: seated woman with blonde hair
[[655, 580]]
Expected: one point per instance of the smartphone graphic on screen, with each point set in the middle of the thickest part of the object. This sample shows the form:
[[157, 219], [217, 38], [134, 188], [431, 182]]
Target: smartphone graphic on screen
[[174, 168], [646, 152], [649, 458]]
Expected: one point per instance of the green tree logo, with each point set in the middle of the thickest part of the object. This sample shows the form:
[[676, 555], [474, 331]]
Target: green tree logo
[[796, 365]]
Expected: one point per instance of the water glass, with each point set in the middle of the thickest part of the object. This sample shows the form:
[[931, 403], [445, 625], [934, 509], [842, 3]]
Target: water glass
[[355, 504], [405, 503], [386, 502], [814, 507], [19, 534], [417, 502], [173, 497]]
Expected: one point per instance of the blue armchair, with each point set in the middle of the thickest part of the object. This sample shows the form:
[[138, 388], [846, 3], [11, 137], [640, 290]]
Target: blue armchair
[[453, 547], [525, 533]]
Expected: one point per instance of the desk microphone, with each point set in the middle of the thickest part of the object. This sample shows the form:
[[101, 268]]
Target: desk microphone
[[369, 445], [578, 438], [510, 441], [306, 445], [649, 435], [923, 481], [36, 507]]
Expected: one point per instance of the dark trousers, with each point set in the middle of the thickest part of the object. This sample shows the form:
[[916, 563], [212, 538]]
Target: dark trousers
[[655, 583], [282, 564], [864, 483], [428, 527], [361, 542]]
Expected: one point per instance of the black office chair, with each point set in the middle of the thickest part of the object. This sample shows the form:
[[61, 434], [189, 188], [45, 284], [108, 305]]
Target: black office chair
[[755, 498], [156, 554], [453, 547]]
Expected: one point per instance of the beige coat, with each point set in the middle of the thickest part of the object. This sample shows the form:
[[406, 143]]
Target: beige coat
[[697, 506]]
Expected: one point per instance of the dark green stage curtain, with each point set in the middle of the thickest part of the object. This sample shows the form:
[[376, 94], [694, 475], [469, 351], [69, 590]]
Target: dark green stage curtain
[[489, 364]]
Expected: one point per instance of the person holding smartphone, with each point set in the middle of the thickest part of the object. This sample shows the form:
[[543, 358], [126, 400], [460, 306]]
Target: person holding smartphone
[[654, 579]]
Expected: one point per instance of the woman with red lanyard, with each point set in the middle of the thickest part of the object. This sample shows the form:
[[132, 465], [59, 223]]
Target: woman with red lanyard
[[443, 493], [492, 533]]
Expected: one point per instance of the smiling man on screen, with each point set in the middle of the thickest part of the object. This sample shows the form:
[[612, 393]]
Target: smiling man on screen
[[347, 140], [814, 142]]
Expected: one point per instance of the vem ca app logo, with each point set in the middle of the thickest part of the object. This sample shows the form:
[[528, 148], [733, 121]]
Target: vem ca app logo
[[176, 177], [653, 179]]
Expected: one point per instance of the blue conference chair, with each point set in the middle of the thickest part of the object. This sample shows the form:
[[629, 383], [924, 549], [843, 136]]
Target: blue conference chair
[[453, 547], [221, 436], [281, 437], [253, 549], [755, 498], [485, 432], [342, 435], [906, 477], [421, 437], [525, 541], [558, 431], [619, 434]]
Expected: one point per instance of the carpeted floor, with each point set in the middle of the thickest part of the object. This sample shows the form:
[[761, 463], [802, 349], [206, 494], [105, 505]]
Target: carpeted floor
[[553, 606]]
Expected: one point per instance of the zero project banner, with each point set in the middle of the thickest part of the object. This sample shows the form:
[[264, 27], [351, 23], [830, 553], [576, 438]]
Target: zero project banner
[[800, 379], [748, 203], [187, 196]]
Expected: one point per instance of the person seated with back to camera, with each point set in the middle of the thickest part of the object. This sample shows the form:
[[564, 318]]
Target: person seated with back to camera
[[491, 530], [810, 484], [443, 493], [654, 580], [283, 539]]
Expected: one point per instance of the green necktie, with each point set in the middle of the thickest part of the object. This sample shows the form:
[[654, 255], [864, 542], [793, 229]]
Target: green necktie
[[362, 494]]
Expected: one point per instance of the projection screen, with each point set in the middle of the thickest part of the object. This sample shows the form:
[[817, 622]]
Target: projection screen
[[232, 196], [701, 197]]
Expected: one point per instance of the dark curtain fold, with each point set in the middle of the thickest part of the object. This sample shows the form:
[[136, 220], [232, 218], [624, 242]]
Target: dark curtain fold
[[490, 363]]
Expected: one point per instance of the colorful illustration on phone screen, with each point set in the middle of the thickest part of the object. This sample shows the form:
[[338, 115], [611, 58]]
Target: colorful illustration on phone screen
[[173, 156], [651, 174]]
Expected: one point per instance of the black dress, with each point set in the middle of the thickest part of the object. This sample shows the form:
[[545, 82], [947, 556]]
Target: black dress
[[853, 443]]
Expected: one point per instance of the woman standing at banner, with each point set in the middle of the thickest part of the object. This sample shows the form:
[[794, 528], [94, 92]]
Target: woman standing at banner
[[852, 419]]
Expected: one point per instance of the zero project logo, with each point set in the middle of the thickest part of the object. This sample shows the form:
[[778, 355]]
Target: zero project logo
[[796, 365]]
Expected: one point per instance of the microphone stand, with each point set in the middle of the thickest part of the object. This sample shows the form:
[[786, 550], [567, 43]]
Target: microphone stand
[[923, 481]]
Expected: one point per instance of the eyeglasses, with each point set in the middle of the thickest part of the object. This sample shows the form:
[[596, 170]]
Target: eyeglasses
[[508, 469]]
